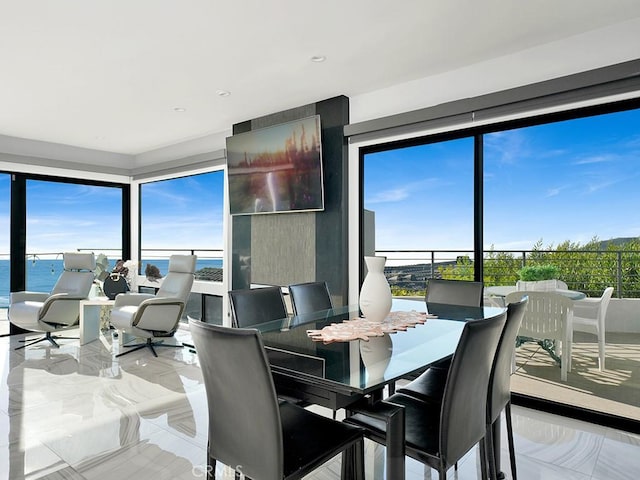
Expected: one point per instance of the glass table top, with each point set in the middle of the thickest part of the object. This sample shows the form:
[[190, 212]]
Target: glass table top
[[360, 366]]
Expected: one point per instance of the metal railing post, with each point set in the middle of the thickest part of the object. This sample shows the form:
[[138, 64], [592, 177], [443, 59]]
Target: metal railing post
[[619, 274]]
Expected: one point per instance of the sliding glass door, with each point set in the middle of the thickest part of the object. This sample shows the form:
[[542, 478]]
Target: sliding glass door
[[419, 210], [564, 195], [559, 192]]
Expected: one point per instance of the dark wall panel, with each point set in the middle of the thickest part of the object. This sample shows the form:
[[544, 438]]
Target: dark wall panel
[[285, 248]]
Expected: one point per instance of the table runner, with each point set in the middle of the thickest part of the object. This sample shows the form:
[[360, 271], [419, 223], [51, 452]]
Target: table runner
[[362, 329]]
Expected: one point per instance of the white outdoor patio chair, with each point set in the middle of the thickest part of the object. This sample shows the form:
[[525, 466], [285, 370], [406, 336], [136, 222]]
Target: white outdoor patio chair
[[589, 316], [548, 319]]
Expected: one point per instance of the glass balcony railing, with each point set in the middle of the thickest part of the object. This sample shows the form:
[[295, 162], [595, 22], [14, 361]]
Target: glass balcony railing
[[588, 271]]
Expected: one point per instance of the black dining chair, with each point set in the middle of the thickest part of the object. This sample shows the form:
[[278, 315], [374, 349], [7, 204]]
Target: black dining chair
[[250, 429], [440, 434], [310, 297], [256, 305], [454, 292], [500, 383], [448, 292], [430, 386]]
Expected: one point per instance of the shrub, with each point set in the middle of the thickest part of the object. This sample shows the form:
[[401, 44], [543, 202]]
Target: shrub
[[533, 273]]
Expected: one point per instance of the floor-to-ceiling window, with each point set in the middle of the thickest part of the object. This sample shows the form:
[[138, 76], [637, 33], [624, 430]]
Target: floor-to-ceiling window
[[52, 215], [417, 198], [5, 211], [69, 217], [185, 215], [558, 189], [564, 194]]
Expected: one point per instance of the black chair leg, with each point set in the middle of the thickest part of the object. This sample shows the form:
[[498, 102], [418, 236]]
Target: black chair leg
[[512, 450], [133, 349], [483, 457], [490, 452], [352, 467], [47, 336], [211, 469], [149, 344]]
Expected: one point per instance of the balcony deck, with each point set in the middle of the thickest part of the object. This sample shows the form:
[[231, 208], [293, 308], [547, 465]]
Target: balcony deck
[[615, 390]]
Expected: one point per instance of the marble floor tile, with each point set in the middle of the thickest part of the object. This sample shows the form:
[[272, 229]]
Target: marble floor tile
[[572, 445], [187, 418], [162, 456], [80, 413], [35, 461], [619, 457]]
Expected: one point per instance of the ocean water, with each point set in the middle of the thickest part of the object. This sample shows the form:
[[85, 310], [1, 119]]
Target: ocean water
[[43, 274]]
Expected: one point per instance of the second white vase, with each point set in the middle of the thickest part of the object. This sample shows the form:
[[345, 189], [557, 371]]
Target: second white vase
[[375, 295]]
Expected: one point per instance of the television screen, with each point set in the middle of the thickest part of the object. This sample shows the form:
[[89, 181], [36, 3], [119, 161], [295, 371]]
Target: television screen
[[276, 169]]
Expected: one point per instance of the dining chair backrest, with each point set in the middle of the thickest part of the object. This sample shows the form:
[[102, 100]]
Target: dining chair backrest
[[463, 411], [500, 380], [237, 380], [454, 292], [310, 297], [548, 316], [256, 305], [545, 315]]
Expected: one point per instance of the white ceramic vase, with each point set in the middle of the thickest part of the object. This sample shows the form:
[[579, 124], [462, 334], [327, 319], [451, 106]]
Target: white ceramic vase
[[375, 295]]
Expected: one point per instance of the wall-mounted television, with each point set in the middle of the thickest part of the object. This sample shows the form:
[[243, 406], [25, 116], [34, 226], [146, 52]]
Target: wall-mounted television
[[276, 169]]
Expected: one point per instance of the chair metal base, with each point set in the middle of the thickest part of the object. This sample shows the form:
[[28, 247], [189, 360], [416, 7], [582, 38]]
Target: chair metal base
[[47, 336], [149, 344]]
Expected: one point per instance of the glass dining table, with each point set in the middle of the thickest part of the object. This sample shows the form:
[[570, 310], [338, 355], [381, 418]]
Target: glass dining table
[[339, 374]]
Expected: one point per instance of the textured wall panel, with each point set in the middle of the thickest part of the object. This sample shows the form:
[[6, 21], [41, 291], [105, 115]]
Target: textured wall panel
[[283, 248]]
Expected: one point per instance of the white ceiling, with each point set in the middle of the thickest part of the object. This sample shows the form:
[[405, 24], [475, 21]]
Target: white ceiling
[[108, 74]]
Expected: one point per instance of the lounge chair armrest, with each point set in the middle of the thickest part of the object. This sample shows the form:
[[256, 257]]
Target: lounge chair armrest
[[161, 301], [131, 299], [58, 297], [159, 313], [17, 297]]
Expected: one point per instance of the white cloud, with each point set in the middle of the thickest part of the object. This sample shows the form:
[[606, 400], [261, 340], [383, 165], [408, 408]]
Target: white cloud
[[397, 194], [595, 187], [595, 159], [387, 196], [506, 147]]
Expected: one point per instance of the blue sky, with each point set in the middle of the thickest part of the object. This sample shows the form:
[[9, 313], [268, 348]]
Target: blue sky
[[180, 213], [184, 212], [571, 180]]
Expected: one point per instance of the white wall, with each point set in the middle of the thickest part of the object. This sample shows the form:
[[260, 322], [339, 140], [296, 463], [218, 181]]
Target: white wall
[[623, 315], [588, 51]]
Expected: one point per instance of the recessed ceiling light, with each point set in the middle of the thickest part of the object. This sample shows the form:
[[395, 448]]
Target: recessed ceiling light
[[179, 109], [318, 58], [223, 93]]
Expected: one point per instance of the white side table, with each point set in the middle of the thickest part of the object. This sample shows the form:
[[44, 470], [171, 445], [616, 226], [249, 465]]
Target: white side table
[[90, 318]]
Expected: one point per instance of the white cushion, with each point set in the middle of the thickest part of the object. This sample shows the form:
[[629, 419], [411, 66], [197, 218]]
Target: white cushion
[[79, 261]]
